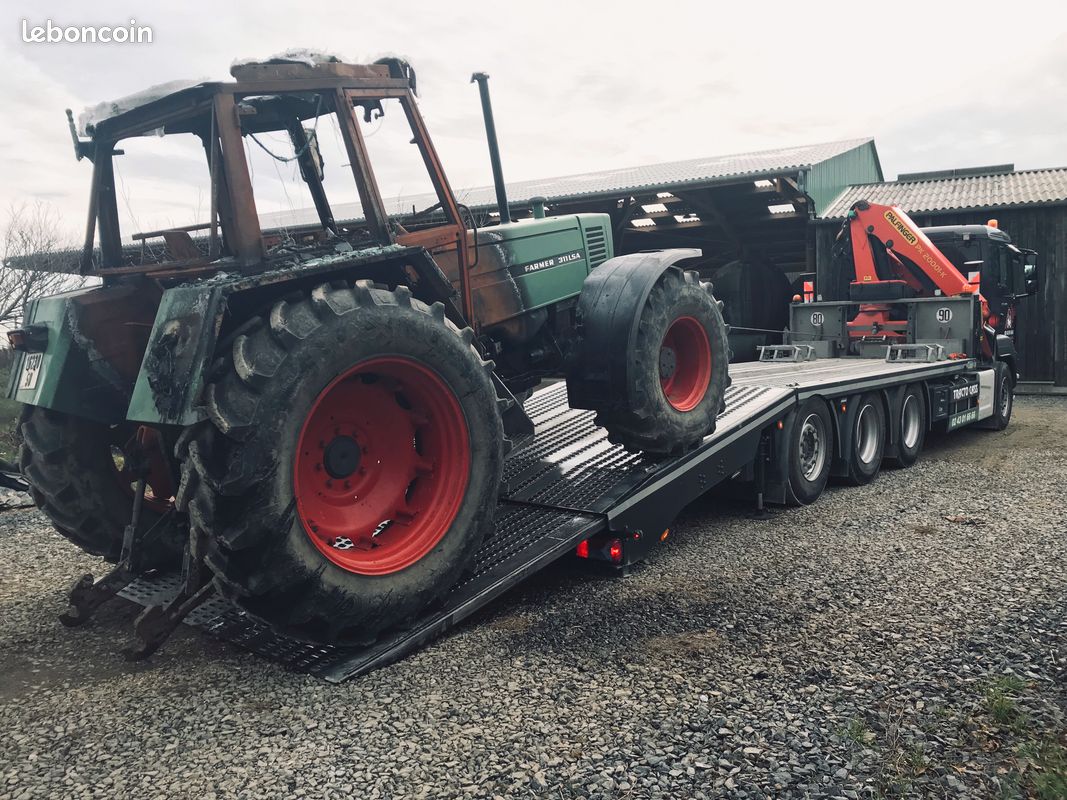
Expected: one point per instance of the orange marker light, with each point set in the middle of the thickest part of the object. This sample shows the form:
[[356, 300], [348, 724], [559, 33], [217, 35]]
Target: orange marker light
[[663, 536], [993, 223]]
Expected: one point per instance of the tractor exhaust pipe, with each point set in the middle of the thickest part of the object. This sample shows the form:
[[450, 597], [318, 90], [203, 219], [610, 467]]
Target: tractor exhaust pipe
[[482, 79]]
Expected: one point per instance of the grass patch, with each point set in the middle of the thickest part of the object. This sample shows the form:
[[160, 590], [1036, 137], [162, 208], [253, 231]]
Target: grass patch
[[1002, 702], [1043, 765], [857, 732]]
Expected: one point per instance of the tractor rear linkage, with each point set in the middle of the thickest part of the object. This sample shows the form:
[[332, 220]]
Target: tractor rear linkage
[[156, 623]]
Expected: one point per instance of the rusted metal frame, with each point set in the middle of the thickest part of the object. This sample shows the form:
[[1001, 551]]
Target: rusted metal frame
[[447, 199], [221, 192], [430, 238], [309, 170], [369, 196], [199, 226], [379, 87], [86, 265], [245, 238], [212, 146], [166, 269], [137, 121], [107, 210]]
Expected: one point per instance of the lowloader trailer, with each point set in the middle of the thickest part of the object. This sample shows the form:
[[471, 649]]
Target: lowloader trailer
[[325, 433], [792, 422]]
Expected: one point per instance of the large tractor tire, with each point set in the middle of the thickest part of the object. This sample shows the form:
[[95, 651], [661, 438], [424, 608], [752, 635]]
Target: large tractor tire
[[677, 372], [75, 479], [351, 464]]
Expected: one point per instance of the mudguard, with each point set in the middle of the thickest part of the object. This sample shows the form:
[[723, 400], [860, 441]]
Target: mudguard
[[190, 319], [609, 308], [1006, 352]]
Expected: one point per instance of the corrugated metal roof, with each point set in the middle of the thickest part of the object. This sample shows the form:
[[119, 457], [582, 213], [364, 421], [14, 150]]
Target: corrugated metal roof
[[673, 173], [959, 193], [615, 182]]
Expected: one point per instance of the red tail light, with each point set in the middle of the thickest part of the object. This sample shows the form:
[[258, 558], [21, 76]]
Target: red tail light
[[615, 551], [583, 549]]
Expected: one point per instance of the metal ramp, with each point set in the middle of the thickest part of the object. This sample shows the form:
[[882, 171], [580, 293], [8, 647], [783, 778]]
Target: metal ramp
[[559, 488]]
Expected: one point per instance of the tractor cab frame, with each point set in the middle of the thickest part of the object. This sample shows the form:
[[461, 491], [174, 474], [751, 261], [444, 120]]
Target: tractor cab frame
[[268, 97]]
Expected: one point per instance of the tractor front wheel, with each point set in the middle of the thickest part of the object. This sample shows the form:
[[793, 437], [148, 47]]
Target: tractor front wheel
[[677, 370], [350, 469]]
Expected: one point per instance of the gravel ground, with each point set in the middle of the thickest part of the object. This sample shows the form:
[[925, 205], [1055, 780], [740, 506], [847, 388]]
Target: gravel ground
[[906, 639]]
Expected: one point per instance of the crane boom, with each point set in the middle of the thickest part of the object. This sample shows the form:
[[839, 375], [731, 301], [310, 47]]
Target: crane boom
[[901, 237]]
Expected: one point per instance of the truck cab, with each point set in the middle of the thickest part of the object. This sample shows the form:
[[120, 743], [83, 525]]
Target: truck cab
[[985, 254]]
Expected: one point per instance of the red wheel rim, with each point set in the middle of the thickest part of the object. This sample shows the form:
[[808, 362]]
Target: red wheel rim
[[685, 364], [382, 465]]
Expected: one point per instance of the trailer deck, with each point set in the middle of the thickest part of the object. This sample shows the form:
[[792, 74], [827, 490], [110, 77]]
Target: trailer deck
[[564, 485]]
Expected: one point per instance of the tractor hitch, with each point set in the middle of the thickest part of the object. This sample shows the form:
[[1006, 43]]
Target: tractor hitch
[[156, 623]]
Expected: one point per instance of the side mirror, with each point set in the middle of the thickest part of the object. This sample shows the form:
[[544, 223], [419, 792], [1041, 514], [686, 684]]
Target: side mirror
[[1031, 282]]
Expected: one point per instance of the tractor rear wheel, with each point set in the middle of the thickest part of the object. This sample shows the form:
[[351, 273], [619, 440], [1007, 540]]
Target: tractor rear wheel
[[678, 369], [350, 468], [76, 476]]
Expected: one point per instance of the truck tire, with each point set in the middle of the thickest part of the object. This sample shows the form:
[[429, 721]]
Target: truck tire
[[810, 452], [678, 370], [351, 464], [867, 440], [910, 427], [69, 464], [1004, 399]]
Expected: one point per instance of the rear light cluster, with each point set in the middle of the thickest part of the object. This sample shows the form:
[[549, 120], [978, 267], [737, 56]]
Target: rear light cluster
[[608, 548], [31, 339], [600, 548]]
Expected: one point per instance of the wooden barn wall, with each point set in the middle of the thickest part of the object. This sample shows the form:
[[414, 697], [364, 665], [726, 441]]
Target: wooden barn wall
[[1041, 328]]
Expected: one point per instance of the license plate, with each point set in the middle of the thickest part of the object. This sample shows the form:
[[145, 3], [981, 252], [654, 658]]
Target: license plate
[[31, 370]]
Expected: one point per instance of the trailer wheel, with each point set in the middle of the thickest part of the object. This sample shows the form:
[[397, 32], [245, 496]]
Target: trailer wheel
[[678, 370], [350, 469], [868, 440], [1004, 399], [810, 452], [910, 427], [75, 479]]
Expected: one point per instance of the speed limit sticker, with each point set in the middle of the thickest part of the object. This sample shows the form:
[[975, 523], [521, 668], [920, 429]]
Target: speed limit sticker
[[817, 318], [944, 314]]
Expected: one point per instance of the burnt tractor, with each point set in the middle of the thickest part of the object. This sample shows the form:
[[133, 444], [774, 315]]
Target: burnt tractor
[[315, 417]]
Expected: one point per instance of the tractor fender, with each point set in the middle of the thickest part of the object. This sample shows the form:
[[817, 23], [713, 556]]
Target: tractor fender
[[189, 323], [609, 308]]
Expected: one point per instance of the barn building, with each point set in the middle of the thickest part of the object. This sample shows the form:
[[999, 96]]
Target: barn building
[[766, 220]]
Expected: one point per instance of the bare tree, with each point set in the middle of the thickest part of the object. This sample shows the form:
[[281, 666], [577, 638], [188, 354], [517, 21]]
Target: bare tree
[[35, 253]]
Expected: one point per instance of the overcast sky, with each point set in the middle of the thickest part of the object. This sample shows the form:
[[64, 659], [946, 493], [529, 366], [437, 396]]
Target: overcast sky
[[582, 86]]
